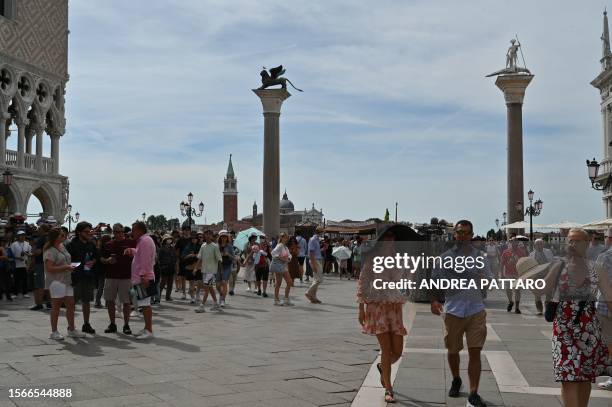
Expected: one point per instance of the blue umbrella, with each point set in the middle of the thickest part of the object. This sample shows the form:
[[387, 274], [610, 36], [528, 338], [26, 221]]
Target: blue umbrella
[[242, 237]]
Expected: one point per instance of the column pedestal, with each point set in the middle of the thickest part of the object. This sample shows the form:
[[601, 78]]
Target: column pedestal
[[271, 100], [513, 86]]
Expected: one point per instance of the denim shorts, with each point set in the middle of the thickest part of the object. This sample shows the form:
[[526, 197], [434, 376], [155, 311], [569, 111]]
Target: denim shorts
[[225, 272]]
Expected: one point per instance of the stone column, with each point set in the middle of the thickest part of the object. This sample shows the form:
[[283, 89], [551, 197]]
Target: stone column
[[40, 131], [513, 86], [3, 118], [29, 135], [272, 100], [607, 149], [21, 139], [55, 152]]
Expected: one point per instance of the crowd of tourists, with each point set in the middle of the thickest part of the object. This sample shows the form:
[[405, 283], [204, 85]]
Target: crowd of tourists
[[577, 298], [133, 268]]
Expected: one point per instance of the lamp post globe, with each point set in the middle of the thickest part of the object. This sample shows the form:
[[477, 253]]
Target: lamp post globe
[[593, 169], [7, 178]]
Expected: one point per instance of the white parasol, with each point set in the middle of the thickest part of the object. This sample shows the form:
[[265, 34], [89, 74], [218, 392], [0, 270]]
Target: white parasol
[[342, 253]]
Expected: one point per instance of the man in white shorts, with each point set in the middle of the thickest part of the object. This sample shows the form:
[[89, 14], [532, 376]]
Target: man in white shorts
[[209, 259], [142, 272]]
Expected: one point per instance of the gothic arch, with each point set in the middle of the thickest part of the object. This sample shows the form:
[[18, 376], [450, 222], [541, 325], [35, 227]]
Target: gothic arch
[[46, 196], [10, 201]]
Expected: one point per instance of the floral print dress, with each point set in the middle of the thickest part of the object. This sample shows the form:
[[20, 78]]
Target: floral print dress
[[381, 316], [579, 354]]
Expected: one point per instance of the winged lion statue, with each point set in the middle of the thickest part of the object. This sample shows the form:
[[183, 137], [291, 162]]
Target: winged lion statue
[[273, 77]]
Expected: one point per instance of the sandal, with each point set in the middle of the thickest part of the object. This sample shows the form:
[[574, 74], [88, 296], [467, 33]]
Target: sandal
[[379, 367], [389, 398]]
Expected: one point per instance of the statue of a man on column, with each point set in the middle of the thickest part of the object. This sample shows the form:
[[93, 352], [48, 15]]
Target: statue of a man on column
[[511, 55]]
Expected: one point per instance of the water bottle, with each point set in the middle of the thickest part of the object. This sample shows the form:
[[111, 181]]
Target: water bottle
[[86, 262]]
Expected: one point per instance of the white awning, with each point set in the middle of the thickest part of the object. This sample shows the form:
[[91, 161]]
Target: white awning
[[521, 225], [598, 225]]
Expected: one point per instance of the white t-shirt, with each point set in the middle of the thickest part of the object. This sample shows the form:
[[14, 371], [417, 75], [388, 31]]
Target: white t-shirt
[[19, 248]]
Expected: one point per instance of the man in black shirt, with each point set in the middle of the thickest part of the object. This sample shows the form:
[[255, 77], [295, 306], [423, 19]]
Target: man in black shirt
[[39, 268], [83, 250], [181, 243]]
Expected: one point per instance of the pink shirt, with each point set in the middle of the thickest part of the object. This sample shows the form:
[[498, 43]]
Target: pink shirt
[[144, 259]]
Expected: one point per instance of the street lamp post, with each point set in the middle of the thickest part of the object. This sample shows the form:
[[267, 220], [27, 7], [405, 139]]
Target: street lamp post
[[7, 178], [144, 216], [534, 209], [70, 218], [593, 170], [188, 211]]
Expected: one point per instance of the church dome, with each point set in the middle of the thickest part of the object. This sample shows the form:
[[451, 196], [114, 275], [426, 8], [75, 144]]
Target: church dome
[[286, 206]]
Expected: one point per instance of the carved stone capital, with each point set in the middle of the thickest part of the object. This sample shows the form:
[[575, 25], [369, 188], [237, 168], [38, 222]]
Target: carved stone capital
[[513, 86], [22, 121], [272, 99]]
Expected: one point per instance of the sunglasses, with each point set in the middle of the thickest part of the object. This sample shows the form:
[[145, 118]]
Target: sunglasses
[[463, 232]]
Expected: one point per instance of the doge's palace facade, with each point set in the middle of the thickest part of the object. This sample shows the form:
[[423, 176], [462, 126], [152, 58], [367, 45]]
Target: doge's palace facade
[[33, 76]]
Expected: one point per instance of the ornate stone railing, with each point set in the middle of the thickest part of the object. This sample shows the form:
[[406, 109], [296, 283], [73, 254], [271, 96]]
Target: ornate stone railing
[[47, 165], [11, 158], [30, 162], [606, 167]]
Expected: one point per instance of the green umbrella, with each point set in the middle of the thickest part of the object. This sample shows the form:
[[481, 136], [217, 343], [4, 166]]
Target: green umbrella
[[243, 237]]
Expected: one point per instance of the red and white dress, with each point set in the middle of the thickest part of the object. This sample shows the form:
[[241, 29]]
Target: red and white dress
[[381, 316], [579, 354]]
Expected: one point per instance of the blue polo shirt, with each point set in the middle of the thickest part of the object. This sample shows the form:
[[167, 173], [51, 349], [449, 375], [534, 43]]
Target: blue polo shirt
[[315, 246], [463, 303]]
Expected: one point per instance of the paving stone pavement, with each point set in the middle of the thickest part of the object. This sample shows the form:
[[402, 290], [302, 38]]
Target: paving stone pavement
[[516, 364], [252, 354]]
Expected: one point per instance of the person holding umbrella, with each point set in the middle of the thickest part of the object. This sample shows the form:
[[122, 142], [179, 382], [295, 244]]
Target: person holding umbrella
[[342, 253]]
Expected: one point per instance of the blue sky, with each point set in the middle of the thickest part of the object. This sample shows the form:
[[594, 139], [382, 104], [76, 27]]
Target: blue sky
[[396, 106]]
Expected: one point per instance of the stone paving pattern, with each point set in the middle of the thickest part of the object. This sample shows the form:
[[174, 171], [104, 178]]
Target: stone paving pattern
[[526, 337], [253, 354]]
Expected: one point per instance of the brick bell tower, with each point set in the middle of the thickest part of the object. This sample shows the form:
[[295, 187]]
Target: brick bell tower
[[230, 195]]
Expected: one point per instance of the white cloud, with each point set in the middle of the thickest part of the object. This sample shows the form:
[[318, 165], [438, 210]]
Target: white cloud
[[160, 95]]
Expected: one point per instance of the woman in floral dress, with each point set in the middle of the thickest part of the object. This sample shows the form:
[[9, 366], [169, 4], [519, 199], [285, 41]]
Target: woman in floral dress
[[380, 311], [579, 354]]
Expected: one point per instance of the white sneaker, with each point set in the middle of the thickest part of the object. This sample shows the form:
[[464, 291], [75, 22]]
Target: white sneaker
[[144, 334], [277, 302], [75, 334], [607, 385], [222, 303], [26, 296], [55, 335], [133, 314], [288, 302], [248, 289], [200, 309]]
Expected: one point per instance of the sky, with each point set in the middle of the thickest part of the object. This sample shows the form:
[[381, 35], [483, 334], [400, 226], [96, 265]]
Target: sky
[[395, 108]]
